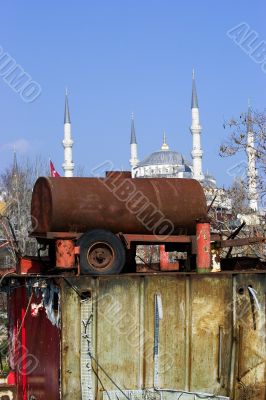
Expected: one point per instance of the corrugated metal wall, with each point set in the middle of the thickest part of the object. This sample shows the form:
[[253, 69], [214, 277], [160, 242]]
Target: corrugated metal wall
[[211, 337]]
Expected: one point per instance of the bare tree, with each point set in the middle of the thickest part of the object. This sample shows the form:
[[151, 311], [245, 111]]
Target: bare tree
[[16, 189], [237, 142], [237, 193]]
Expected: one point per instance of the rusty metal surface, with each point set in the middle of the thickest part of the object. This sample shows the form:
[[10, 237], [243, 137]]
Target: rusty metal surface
[[203, 236], [210, 330], [80, 204], [65, 253], [241, 242], [70, 343], [158, 239], [201, 347], [249, 333]]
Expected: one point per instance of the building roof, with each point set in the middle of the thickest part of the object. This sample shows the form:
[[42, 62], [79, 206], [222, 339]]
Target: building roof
[[164, 157], [209, 181], [67, 114], [194, 97], [249, 119], [133, 139]]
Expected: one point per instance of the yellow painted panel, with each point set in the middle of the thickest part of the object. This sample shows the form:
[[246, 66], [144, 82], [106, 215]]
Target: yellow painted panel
[[211, 316], [172, 349], [118, 331]]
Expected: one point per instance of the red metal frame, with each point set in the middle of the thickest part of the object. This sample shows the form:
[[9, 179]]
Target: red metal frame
[[165, 264], [153, 239], [203, 237], [35, 348]]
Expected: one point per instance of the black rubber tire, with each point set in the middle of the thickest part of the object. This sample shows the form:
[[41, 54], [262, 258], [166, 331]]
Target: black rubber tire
[[90, 238]]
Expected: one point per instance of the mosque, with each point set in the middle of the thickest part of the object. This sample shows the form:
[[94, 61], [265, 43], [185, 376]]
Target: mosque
[[167, 163]]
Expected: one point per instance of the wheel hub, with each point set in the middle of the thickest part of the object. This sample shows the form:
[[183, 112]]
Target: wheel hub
[[100, 255]]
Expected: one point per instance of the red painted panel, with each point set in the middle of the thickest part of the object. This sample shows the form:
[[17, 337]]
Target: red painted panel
[[36, 348]]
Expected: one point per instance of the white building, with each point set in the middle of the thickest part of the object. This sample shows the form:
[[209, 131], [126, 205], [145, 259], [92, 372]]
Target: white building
[[163, 163], [168, 163]]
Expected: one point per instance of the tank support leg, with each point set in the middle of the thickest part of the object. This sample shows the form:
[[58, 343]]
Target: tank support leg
[[65, 253], [203, 237]]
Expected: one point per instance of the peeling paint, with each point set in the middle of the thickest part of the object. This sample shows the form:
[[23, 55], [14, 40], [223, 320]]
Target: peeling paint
[[51, 303]]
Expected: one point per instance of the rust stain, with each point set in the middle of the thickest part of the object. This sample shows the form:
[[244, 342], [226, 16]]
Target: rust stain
[[96, 203], [196, 334]]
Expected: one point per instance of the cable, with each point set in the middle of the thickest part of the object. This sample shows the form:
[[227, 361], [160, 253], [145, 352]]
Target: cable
[[108, 376], [148, 265], [199, 395], [16, 250], [12, 272], [99, 379], [13, 233], [73, 288], [26, 312]]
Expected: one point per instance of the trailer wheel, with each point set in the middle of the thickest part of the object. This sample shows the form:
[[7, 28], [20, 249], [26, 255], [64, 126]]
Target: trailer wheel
[[101, 253]]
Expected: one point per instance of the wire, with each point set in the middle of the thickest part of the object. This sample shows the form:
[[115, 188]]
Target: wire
[[23, 319], [12, 272], [13, 233], [148, 265], [108, 376], [99, 379], [213, 200], [199, 395], [16, 250], [73, 288]]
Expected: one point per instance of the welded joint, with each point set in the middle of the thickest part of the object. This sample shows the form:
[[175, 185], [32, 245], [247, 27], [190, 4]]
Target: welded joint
[[122, 237]]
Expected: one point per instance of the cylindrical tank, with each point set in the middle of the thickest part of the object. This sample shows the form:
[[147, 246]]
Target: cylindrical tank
[[117, 203]]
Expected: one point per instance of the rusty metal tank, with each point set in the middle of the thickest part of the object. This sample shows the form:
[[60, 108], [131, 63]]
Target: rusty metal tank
[[117, 203]]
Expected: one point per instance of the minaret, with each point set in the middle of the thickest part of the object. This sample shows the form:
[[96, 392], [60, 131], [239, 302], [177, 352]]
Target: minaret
[[196, 132], [252, 171], [15, 163], [133, 147], [68, 165], [165, 146], [15, 172]]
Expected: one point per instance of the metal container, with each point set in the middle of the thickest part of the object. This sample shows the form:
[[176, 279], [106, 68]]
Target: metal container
[[117, 203], [157, 337]]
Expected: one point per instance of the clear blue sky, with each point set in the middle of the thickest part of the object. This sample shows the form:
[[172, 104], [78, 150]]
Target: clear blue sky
[[121, 56]]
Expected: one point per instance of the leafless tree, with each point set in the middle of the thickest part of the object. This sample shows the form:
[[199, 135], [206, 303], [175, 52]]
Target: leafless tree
[[237, 193], [237, 142], [16, 189]]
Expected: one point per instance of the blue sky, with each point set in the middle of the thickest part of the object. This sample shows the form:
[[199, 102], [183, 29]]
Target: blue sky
[[122, 56]]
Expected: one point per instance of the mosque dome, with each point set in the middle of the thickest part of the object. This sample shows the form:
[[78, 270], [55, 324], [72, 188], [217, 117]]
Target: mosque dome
[[162, 157], [164, 163], [209, 181]]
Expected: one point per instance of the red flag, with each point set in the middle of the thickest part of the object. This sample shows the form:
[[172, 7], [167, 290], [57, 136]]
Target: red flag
[[53, 171]]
